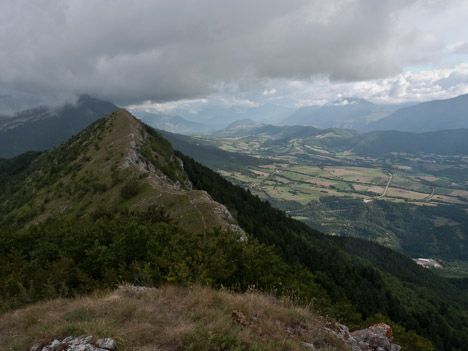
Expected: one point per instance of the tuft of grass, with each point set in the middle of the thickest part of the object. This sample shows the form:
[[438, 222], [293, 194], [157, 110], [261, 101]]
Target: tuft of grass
[[170, 318]]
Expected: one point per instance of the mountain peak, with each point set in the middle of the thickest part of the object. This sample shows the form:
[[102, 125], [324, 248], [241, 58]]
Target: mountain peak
[[118, 163]]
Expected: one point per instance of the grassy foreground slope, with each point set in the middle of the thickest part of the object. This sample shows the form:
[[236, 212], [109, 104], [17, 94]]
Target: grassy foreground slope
[[171, 318]]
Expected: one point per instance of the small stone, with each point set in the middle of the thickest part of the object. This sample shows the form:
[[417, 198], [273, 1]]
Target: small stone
[[310, 346], [55, 344], [86, 347], [107, 344], [83, 340]]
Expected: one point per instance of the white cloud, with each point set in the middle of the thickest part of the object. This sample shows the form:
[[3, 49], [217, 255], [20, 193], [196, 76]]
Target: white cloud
[[167, 107], [404, 87], [231, 101], [269, 92]]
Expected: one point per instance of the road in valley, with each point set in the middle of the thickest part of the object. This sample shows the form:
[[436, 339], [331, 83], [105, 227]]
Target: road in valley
[[386, 187]]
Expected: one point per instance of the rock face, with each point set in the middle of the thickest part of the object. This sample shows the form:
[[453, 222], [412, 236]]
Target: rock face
[[378, 337], [82, 343]]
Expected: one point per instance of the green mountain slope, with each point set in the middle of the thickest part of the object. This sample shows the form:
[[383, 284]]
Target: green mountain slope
[[82, 216], [116, 163]]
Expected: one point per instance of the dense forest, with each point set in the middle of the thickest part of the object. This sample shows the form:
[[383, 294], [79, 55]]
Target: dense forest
[[410, 228]]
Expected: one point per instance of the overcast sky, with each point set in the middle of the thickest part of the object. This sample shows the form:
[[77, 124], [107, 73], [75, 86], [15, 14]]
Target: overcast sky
[[165, 54]]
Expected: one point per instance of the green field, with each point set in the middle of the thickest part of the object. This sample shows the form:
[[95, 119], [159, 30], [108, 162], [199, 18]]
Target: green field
[[312, 172], [422, 213]]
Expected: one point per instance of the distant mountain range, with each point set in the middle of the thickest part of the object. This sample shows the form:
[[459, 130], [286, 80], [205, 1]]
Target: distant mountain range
[[346, 112], [427, 116], [43, 128], [444, 142], [173, 124], [218, 117]]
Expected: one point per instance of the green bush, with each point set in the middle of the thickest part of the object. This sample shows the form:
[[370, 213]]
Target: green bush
[[130, 189]]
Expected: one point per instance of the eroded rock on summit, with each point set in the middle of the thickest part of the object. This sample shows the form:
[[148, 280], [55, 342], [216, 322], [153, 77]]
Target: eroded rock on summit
[[71, 343], [378, 337]]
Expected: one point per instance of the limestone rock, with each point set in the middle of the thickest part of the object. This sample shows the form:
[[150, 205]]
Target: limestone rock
[[81, 343], [378, 337]]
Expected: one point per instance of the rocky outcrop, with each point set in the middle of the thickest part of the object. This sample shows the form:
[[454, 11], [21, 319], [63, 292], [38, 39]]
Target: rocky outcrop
[[378, 337], [71, 343]]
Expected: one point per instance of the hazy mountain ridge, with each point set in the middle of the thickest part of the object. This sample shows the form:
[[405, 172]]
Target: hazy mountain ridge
[[174, 124], [340, 113], [346, 112], [427, 116], [43, 128]]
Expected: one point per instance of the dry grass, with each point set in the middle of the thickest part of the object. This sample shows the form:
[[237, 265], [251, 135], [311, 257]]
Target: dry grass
[[462, 193], [448, 199], [407, 194], [171, 318], [371, 188]]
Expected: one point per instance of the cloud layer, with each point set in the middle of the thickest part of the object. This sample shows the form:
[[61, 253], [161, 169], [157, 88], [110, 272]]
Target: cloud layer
[[132, 51]]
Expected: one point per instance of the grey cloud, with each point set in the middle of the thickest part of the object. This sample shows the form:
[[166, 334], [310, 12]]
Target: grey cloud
[[462, 49], [130, 51]]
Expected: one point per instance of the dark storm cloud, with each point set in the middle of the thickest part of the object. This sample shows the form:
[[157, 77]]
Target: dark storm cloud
[[129, 51]]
